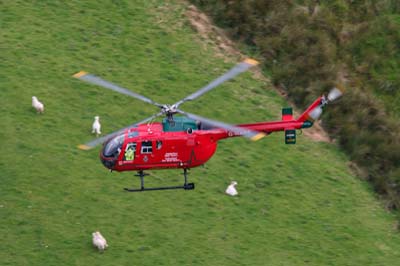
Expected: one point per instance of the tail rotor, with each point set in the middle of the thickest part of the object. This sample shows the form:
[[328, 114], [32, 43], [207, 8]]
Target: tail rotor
[[333, 95]]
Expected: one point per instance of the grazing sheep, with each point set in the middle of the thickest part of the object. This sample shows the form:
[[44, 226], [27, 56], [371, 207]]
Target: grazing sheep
[[231, 190], [96, 126], [37, 105], [99, 241]]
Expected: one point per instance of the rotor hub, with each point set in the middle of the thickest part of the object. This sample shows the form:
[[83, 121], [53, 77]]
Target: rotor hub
[[169, 109]]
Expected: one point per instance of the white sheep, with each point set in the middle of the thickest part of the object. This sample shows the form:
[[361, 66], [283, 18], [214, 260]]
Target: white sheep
[[99, 241], [37, 105], [96, 126], [231, 189]]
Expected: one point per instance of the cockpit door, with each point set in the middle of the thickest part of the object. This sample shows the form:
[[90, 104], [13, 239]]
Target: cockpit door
[[130, 151]]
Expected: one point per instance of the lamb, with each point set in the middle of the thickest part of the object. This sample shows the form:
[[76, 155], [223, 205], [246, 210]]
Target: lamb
[[99, 241], [231, 190], [96, 126], [37, 105]]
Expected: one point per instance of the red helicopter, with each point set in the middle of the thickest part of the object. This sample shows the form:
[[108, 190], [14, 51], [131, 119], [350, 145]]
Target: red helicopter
[[190, 140]]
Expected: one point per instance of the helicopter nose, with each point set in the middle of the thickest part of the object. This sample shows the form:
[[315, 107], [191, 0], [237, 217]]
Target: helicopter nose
[[108, 162], [111, 150]]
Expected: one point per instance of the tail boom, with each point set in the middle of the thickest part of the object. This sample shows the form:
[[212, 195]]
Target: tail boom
[[269, 127], [288, 124]]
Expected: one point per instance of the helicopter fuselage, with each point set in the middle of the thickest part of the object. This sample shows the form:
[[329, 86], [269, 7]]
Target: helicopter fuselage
[[150, 147]]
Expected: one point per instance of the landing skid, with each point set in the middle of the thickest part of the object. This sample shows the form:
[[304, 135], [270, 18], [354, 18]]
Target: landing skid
[[141, 174]]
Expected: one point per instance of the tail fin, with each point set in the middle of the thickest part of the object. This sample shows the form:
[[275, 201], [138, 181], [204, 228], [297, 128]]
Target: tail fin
[[287, 114], [314, 111], [311, 113]]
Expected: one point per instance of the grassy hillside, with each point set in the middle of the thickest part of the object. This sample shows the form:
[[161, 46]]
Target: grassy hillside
[[298, 205]]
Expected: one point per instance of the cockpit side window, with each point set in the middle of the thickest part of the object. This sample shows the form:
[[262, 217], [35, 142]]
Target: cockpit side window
[[147, 147], [158, 144]]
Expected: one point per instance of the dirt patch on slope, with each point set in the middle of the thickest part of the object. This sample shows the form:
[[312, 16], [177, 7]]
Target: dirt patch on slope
[[210, 33], [226, 48], [317, 133]]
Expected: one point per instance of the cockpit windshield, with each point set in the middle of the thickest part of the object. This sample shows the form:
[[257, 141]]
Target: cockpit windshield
[[113, 147]]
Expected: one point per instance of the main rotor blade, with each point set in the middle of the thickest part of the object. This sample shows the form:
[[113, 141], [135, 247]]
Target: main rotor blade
[[100, 140], [236, 70], [251, 134], [334, 94], [108, 85]]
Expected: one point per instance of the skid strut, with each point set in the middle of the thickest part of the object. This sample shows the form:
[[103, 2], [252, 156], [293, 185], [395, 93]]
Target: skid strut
[[141, 174]]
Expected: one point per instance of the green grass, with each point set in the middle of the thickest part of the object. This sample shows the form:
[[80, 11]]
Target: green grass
[[298, 205]]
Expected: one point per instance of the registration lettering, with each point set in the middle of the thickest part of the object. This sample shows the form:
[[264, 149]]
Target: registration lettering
[[170, 157]]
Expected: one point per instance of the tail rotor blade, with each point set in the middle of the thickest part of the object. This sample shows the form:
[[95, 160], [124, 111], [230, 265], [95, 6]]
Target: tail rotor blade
[[334, 94]]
